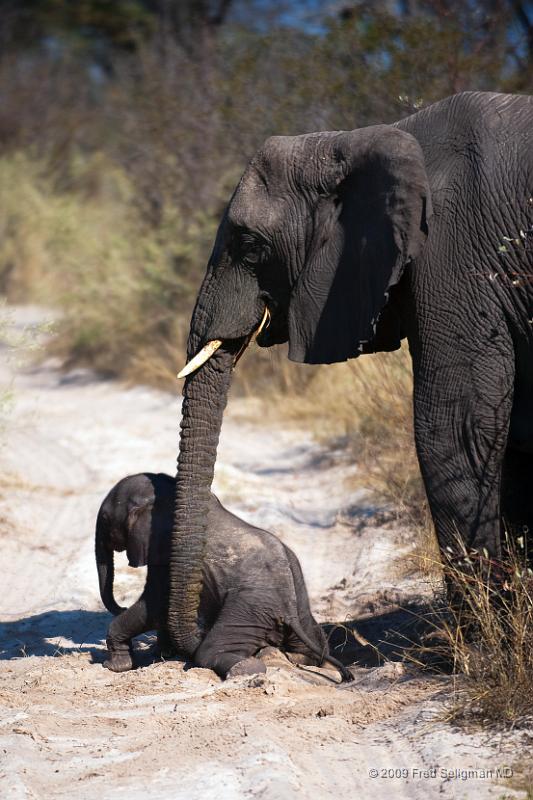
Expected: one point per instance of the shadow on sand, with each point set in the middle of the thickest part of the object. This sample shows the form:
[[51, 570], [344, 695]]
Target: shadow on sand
[[389, 636], [54, 633], [57, 633], [396, 635]]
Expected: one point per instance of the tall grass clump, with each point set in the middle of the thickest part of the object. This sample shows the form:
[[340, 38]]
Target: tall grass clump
[[488, 635]]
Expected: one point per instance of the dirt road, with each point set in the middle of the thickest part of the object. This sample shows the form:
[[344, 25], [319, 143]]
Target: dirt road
[[70, 728]]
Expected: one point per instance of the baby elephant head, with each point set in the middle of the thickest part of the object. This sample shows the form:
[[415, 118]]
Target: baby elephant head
[[135, 517]]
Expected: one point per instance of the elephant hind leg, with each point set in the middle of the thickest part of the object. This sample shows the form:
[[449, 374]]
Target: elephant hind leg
[[231, 644], [227, 663]]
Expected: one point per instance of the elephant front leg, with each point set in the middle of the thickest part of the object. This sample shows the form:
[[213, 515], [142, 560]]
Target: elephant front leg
[[132, 622], [462, 415]]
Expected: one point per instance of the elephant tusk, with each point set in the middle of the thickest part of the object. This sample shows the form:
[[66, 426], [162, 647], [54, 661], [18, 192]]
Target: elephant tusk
[[211, 347], [265, 322], [200, 358]]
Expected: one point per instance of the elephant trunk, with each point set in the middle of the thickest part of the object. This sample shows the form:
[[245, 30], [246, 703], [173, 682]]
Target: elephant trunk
[[105, 567], [205, 396]]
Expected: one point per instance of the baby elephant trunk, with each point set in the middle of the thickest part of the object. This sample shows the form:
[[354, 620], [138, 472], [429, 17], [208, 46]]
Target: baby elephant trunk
[[321, 652], [105, 566]]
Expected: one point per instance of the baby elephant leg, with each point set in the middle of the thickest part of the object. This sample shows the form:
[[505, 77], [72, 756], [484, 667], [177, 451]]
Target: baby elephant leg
[[132, 622], [231, 644]]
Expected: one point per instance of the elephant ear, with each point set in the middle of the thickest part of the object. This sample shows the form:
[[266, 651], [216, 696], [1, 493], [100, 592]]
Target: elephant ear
[[148, 535], [369, 221]]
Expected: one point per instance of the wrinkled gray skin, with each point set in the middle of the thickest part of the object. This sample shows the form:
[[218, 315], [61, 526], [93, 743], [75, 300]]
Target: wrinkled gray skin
[[253, 591], [355, 240]]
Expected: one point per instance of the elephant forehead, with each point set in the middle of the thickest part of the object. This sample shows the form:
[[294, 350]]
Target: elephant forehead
[[256, 204]]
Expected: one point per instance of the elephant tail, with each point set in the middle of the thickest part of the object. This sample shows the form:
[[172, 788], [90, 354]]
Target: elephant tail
[[321, 652], [105, 564]]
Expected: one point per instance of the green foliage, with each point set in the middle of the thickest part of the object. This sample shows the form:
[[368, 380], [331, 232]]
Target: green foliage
[[117, 24]]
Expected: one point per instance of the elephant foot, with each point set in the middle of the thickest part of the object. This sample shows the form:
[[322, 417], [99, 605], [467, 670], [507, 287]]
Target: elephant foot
[[248, 666], [119, 662]]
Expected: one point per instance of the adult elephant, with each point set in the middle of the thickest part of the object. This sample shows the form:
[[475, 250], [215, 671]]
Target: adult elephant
[[354, 240]]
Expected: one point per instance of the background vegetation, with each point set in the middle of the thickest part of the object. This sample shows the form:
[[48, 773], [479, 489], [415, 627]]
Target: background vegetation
[[124, 126]]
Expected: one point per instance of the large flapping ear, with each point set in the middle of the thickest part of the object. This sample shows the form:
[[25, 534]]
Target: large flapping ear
[[370, 220], [148, 535]]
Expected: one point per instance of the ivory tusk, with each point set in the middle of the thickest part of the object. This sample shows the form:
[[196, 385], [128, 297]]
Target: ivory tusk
[[200, 358], [212, 346], [265, 322]]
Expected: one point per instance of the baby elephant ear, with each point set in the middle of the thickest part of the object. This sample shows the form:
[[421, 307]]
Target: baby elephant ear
[[148, 535], [139, 526], [369, 220]]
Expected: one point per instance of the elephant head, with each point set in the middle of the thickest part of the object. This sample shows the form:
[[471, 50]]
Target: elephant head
[[135, 519], [318, 231]]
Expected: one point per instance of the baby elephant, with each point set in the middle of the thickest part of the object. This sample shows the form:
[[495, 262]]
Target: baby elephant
[[253, 592]]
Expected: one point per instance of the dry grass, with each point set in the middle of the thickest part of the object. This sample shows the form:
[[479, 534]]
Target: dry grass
[[522, 779], [492, 641], [486, 637], [123, 289]]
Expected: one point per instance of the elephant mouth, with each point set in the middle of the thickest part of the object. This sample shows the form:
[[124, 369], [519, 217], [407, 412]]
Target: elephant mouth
[[211, 347], [277, 332]]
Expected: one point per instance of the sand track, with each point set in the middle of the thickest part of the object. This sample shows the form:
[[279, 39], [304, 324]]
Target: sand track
[[68, 727]]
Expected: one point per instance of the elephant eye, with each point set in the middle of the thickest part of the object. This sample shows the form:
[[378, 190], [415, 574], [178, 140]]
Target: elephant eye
[[254, 253]]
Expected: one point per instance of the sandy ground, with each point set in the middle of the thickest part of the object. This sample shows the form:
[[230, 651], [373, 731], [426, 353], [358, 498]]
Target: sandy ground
[[68, 727]]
